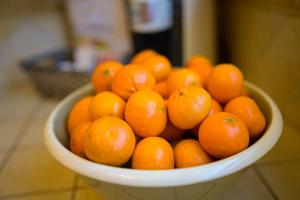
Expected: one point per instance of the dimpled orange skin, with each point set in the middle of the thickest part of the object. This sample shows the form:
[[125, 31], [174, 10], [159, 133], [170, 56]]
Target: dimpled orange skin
[[171, 133], [103, 74], [80, 113], [109, 141], [130, 79], [146, 113], [153, 153], [182, 77], [188, 106], [78, 137], [141, 56], [161, 88], [202, 66], [159, 65], [223, 134], [248, 111], [107, 104], [225, 82], [215, 108], [189, 153]]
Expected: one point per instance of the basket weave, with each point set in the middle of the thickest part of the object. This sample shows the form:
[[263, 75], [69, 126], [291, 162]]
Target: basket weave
[[48, 79], [57, 84]]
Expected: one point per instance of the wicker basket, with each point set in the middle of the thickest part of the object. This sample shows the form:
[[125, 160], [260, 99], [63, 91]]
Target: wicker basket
[[48, 79]]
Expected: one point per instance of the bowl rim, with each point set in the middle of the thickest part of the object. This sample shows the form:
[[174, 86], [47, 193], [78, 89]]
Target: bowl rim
[[163, 178]]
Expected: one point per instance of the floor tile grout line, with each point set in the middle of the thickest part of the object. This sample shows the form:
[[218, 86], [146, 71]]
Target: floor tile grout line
[[22, 132], [210, 189], [74, 187], [81, 187], [175, 193], [265, 182], [278, 162], [30, 146], [36, 193]]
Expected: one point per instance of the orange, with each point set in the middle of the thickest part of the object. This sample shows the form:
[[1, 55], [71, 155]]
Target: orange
[[202, 66], [248, 111], [109, 141], [166, 102], [188, 106], [146, 113], [225, 82], [171, 133], [78, 137], [103, 74], [79, 113], [182, 77], [141, 56], [107, 104], [223, 134], [161, 88], [189, 153], [153, 153], [159, 65], [215, 108], [130, 79]]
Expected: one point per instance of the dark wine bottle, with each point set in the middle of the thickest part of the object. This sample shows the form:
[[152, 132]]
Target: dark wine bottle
[[151, 24]]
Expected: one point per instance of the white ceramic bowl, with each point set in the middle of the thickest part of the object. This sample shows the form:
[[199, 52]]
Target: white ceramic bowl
[[209, 181]]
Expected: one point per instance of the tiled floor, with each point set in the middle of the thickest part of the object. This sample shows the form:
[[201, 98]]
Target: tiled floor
[[28, 172]]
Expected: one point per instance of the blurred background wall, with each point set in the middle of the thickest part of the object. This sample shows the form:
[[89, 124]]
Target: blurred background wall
[[32, 27], [27, 28], [262, 37], [199, 28]]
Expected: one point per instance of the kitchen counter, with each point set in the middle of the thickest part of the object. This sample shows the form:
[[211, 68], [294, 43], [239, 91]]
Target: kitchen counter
[[28, 171]]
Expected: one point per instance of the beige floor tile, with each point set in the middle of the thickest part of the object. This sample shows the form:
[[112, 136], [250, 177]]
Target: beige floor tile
[[292, 110], [17, 106], [34, 135], [284, 179], [31, 170], [52, 196], [87, 194], [14, 81], [15, 112], [81, 183], [2, 155], [287, 148], [249, 188], [16, 85], [8, 132], [19, 86]]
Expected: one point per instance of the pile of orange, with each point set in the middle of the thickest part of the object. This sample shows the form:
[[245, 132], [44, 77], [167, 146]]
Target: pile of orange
[[149, 115]]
